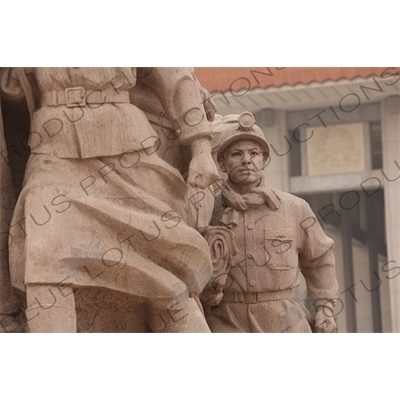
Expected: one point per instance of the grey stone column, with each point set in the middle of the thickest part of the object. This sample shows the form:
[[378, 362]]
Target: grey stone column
[[390, 115]]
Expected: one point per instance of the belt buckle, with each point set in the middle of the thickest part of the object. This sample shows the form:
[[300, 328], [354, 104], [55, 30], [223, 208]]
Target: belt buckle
[[75, 97], [251, 298]]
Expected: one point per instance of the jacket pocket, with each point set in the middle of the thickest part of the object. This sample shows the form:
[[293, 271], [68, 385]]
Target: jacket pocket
[[279, 248]]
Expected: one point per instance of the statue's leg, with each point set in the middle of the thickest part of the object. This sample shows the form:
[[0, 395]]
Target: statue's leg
[[181, 317], [229, 317], [278, 316], [50, 308]]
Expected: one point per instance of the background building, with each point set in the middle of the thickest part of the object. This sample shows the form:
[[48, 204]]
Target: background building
[[335, 140]]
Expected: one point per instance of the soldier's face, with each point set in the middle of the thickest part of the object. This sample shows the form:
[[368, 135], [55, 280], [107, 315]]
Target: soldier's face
[[243, 162]]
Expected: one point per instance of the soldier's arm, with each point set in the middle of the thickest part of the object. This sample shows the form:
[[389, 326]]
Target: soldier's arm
[[182, 101], [317, 263], [10, 84]]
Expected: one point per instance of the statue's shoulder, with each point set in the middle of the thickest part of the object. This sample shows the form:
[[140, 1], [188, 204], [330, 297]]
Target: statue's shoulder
[[292, 201]]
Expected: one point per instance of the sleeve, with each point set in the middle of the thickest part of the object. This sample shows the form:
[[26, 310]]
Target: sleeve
[[317, 261], [16, 83], [10, 84], [182, 101]]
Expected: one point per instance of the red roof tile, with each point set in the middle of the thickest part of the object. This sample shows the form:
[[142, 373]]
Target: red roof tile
[[224, 79]]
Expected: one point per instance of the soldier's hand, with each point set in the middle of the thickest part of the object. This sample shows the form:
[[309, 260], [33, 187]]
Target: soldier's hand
[[202, 169], [324, 321]]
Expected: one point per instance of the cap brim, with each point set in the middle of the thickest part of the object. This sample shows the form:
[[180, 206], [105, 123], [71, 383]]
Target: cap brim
[[244, 136]]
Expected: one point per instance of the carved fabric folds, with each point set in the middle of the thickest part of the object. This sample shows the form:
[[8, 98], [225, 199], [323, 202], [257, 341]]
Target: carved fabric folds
[[279, 316], [125, 232], [99, 207]]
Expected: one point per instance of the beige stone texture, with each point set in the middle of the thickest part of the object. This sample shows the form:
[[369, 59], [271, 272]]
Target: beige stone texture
[[103, 239], [10, 306], [277, 238]]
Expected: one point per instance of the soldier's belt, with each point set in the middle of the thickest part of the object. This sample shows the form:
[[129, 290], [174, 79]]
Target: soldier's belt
[[80, 97], [237, 297]]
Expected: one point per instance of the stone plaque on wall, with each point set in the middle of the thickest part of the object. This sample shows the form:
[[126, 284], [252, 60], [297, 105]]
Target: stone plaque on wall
[[335, 149]]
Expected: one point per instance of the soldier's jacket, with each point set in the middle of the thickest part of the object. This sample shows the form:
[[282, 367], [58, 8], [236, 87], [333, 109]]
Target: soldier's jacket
[[82, 121], [86, 112], [277, 240]]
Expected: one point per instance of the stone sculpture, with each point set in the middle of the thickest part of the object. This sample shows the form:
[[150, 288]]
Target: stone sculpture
[[9, 305], [172, 151], [100, 240], [274, 237]]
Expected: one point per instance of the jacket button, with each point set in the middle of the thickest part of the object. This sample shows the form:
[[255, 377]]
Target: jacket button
[[252, 309], [249, 227], [250, 256], [252, 282]]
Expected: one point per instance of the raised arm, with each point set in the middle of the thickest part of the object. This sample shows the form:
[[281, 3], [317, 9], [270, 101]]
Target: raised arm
[[181, 98]]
